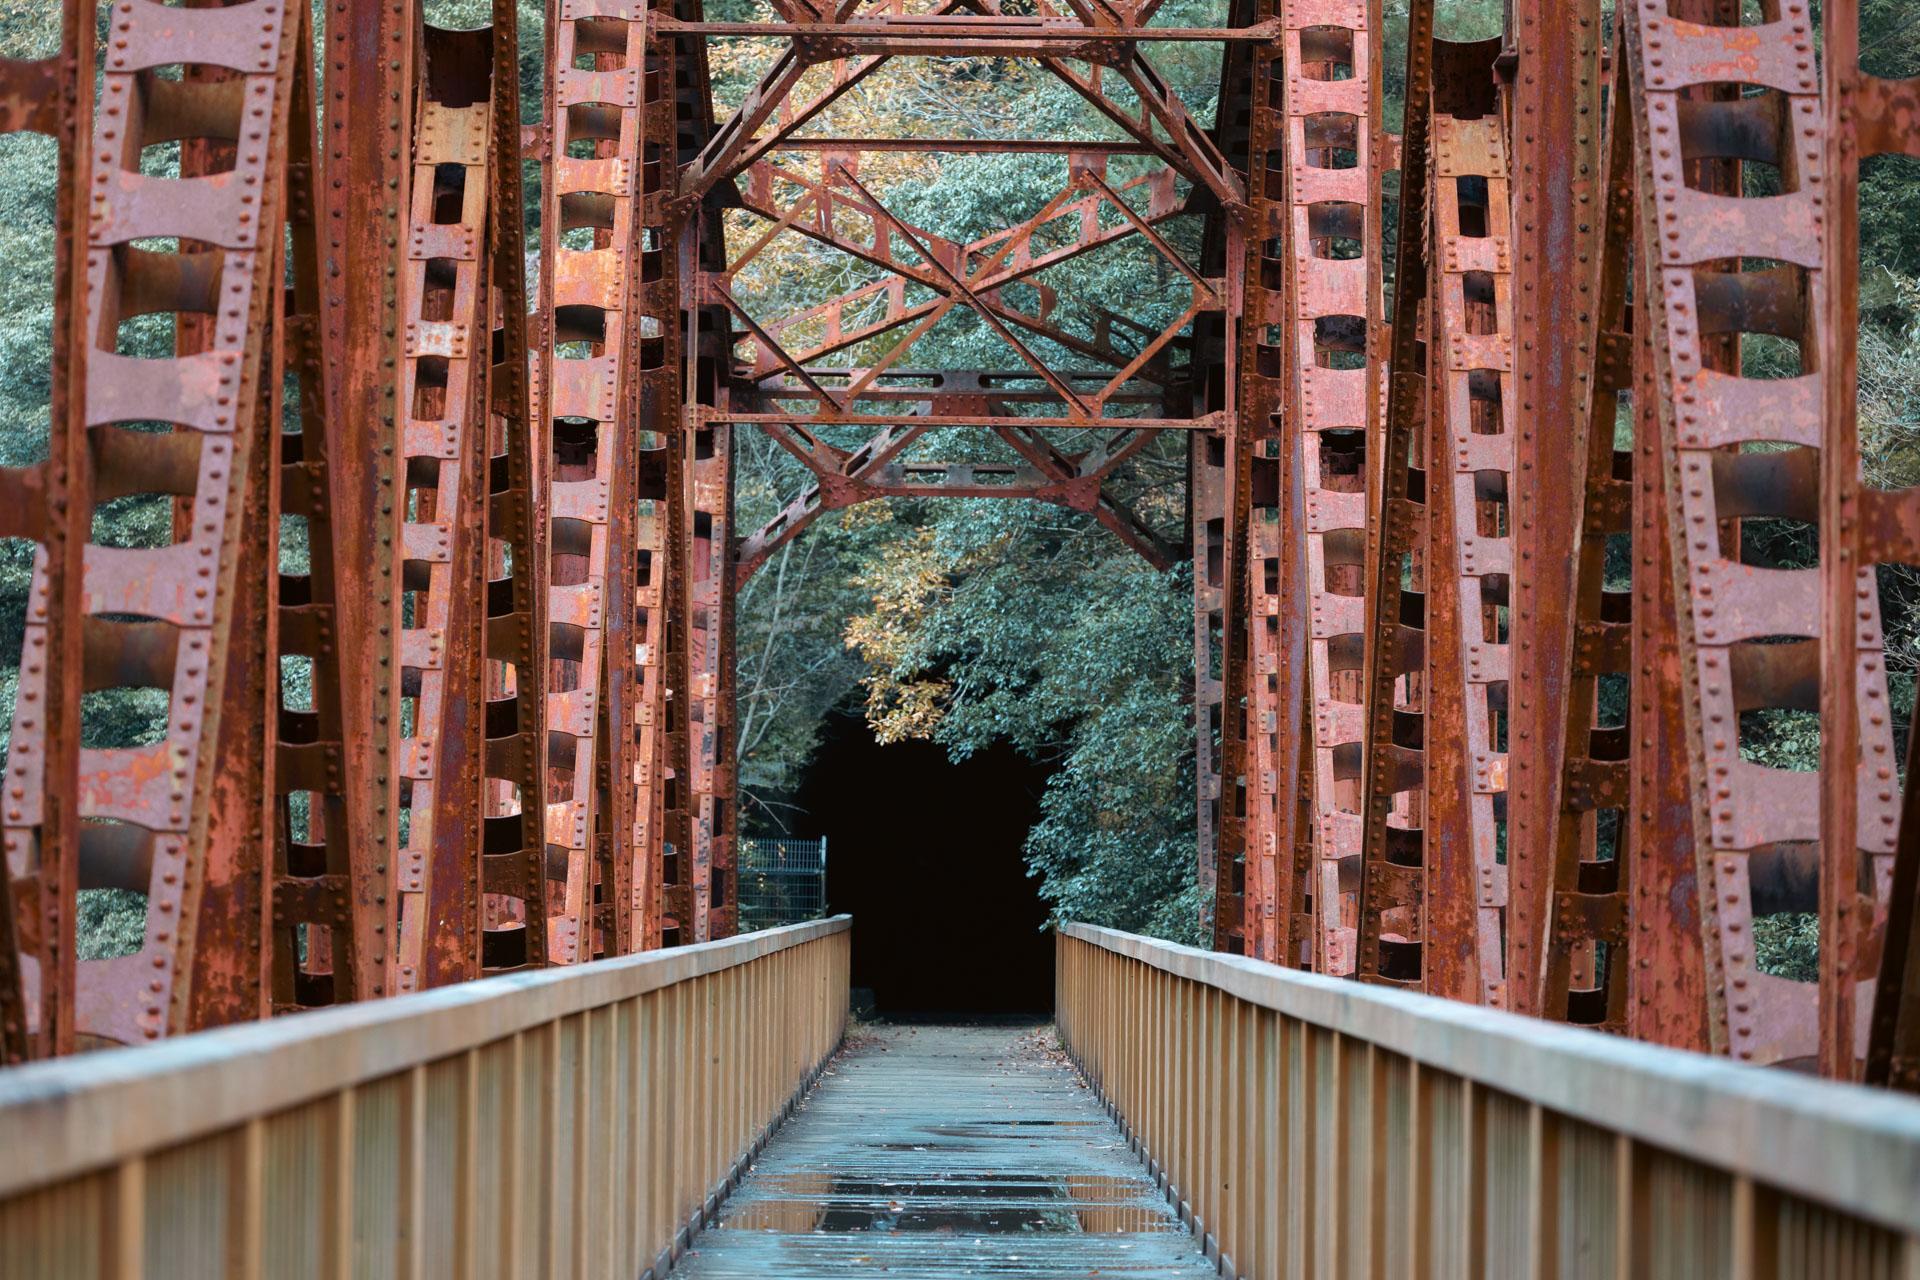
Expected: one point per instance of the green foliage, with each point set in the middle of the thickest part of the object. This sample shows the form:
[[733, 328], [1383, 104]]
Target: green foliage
[[112, 922], [1107, 701], [1788, 945], [792, 664], [1056, 639]]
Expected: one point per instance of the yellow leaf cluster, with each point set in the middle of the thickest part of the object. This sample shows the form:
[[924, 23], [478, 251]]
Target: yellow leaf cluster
[[903, 587]]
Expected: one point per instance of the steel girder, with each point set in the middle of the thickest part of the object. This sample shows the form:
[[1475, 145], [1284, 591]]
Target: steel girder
[[1587, 872], [639, 486], [469, 449], [591, 446], [1749, 638], [1542, 591], [184, 817], [1431, 882], [1469, 556], [1333, 342], [49, 504], [1873, 908], [1480, 629], [1390, 933]]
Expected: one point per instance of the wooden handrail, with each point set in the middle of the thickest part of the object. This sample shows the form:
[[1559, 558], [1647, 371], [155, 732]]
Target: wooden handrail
[[575, 1121], [1315, 1126]]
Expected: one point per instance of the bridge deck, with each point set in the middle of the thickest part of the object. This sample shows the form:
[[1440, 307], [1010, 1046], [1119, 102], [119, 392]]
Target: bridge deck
[[938, 1152]]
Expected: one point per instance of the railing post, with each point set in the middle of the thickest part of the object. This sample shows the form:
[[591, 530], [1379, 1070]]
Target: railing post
[[1543, 1160]]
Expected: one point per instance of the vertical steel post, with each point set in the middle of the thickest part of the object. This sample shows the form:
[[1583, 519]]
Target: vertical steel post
[[513, 853], [309, 954], [1469, 482], [369, 74], [1401, 583], [597, 243], [1233, 676], [1557, 211], [1586, 957], [1749, 634], [444, 441], [51, 503], [1332, 61], [1870, 849]]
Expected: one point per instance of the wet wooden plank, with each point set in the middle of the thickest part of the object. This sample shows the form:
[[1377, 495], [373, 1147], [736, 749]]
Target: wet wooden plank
[[938, 1152]]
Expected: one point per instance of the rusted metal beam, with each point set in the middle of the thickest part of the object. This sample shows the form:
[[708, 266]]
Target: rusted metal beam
[[848, 319], [1755, 826], [602, 360], [967, 146], [369, 74], [1869, 838], [1046, 474], [319, 941], [825, 212], [196, 618], [1667, 991], [957, 390], [703, 817], [1587, 958], [50, 503], [1206, 422], [961, 34], [1333, 328], [513, 852], [1556, 221], [1395, 878], [1235, 621], [1161, 121], [444, 441], [1506, 528]]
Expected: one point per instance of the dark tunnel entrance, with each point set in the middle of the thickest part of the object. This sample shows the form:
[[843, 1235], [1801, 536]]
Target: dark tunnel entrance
[[926, 855]]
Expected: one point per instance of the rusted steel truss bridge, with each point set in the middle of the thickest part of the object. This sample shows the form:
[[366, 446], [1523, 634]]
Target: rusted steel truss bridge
[[446, 617]]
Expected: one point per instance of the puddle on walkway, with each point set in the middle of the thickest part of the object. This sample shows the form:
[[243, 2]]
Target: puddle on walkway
[[954, 1183], [985, 1128], [959, 1203]]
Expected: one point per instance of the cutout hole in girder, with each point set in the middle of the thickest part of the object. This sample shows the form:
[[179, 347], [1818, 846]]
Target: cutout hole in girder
[[1470, 191], [1326, 53], [439, 277], [1752, 316], [1332, 140]]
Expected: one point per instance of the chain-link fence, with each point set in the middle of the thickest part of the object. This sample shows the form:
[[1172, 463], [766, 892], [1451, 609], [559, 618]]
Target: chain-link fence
[[782, 882]]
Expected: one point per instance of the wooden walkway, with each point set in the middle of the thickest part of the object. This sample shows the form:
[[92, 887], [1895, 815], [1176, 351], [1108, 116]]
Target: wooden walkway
[[935, 1152]]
